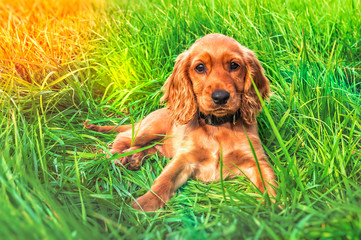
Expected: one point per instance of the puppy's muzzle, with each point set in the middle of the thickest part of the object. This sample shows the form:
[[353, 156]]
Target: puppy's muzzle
[[220, 97]]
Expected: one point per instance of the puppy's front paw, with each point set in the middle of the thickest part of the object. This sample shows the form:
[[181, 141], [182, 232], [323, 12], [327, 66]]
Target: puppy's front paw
[[135, 161], [132, 162], [148, 202]]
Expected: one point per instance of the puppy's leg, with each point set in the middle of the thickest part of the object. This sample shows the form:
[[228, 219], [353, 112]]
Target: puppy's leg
[[262, 175], [152, 128], [174, 175], [132, 137], [266, 173], [135, 160], [125, 143]]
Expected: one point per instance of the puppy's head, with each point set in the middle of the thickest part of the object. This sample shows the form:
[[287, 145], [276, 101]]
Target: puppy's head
[[215, 77]]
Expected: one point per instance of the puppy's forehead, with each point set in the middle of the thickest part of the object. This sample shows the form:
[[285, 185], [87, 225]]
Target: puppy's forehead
[[215, 43]]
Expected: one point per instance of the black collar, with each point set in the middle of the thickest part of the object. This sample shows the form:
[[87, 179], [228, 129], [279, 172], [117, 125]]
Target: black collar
[[216, 121]]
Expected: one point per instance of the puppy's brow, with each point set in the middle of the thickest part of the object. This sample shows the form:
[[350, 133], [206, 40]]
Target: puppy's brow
[[202, 57]]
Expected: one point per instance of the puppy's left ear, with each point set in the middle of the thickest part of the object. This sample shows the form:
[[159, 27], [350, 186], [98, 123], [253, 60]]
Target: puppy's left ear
[[251, 104]]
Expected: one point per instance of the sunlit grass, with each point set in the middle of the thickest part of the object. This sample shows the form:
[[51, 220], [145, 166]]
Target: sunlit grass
[[40, 38]]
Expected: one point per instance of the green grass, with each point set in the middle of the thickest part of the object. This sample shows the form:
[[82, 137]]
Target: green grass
[[56, 183]]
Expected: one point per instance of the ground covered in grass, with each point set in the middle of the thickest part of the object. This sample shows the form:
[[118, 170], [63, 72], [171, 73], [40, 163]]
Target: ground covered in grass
[[62, 62]]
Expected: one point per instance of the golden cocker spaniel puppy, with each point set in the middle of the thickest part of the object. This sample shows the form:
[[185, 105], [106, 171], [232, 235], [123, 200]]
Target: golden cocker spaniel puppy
[[210, 114]]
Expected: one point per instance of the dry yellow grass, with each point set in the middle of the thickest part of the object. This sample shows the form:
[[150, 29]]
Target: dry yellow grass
[[41, 36]]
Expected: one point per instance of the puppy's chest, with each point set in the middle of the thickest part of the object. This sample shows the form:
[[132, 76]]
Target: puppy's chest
[[211, 153], [219, 144]]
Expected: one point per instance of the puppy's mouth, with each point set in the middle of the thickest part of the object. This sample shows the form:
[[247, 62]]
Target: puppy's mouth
[[220, 112], [209, 108]]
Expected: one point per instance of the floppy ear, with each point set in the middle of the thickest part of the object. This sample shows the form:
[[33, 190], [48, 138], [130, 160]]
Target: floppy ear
[[250, 103], [178, 92]]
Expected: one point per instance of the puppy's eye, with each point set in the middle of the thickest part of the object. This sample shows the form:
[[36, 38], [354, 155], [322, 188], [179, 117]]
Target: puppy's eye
[[200, 68], [234, 66]]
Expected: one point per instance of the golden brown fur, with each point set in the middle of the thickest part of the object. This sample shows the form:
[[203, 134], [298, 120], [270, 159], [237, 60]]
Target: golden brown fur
[[194, 146]]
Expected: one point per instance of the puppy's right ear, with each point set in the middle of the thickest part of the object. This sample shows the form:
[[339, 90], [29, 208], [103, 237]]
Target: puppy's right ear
[[178, 92]]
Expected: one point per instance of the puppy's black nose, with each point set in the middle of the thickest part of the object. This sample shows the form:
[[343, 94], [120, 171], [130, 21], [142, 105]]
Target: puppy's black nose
[[220, 96]]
